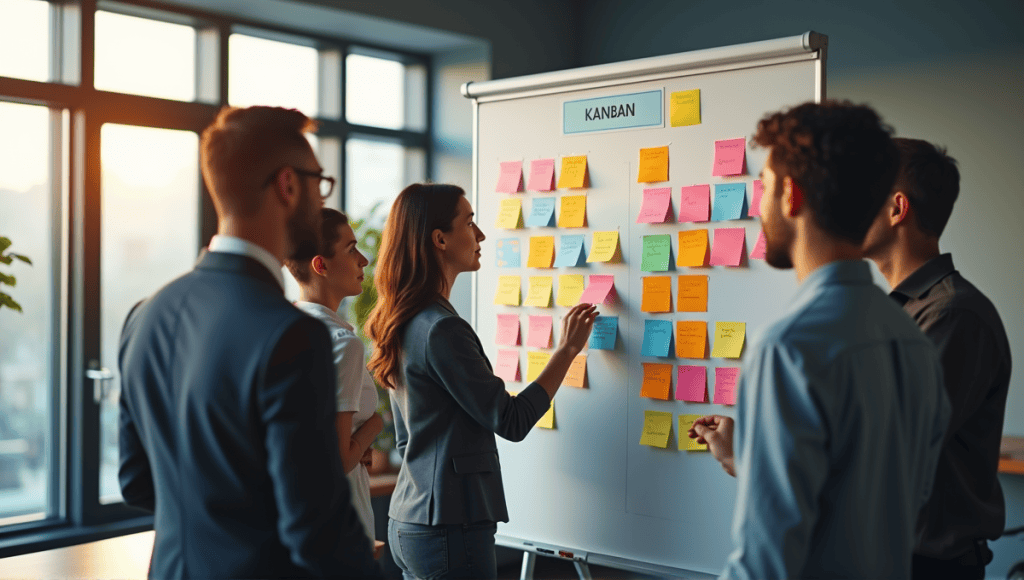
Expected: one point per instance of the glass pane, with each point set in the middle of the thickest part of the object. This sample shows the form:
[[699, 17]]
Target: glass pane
[[376, 172], [374, 89], [145, 57], [268, 72], [150, 229], [27, 343], [25, 32]]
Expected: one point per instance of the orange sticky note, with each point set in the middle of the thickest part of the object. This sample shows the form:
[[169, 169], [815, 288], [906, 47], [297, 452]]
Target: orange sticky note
[[657, 381], [657, 294], [693, 294], [572, 211], [693, 248], [691, 338], [576, 376], [653, 165], [542, 252], [574, 172]]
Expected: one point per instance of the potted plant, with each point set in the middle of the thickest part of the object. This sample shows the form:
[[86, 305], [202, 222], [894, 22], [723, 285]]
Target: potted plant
[[6, 258]]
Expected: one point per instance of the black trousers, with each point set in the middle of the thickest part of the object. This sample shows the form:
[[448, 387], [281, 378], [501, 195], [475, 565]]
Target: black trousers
[[970, 566]]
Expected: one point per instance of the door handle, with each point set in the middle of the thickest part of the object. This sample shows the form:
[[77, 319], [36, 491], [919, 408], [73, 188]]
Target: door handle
[[101, 377]]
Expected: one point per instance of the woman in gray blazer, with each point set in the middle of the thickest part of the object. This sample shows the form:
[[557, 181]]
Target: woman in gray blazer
[[448, 404]]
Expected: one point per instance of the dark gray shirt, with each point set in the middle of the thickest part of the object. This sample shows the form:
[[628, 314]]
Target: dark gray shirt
[[967, 500]]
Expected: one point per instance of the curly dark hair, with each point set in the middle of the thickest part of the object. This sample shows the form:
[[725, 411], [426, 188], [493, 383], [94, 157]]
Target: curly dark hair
[[841, 155]]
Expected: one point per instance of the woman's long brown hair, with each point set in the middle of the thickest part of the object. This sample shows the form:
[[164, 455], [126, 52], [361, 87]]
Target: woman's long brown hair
[[408, 274]]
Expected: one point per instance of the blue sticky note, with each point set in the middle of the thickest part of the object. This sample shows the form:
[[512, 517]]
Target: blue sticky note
[[657, 338], [507, 253], [603, 335], [542, 213], [570, 252], [730, 201]]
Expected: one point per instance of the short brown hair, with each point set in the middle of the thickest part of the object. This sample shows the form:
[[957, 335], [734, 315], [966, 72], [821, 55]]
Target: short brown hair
[[331, 221], [930, 180], [242, 147]]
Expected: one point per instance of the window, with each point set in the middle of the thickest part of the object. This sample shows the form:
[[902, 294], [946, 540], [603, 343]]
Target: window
[[269, 72], [377, 171], [382, 92], [26, 33], [145, 57]]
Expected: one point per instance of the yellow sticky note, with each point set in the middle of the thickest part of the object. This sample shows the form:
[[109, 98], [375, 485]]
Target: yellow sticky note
[[570, 288], [508, 291], [729, 339], [603, 247], [510, 215], [574, 172], [576, 376], [693, 294], [573, 211], [542, 252], [536, 360], [547, 420], [657, 294], [685, 443], [657, 427], [693, 247], [657, 381], [653, 165], [684, 108], [539, 292], [691, 338]]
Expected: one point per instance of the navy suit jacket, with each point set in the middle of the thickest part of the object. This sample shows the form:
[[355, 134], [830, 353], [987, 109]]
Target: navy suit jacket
[[227, 431]]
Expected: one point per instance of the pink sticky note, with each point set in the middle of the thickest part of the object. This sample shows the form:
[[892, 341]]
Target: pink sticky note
[[542, 175], [729, 156], [654, 209], [540, 332], [727, 249], [511, 178], [695, 205], [598, 290], [508, 365], [692, 384], [755, 204], [759, 247], [508, 330], [725, 385]]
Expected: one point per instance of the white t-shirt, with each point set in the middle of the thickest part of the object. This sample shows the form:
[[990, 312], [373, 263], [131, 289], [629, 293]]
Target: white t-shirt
[[355, 393]]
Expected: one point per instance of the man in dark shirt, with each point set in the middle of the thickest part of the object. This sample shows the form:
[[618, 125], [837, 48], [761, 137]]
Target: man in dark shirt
[[966, 507]]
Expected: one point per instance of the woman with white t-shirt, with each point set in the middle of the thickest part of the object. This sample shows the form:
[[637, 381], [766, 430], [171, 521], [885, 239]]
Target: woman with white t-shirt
[[335, 273]]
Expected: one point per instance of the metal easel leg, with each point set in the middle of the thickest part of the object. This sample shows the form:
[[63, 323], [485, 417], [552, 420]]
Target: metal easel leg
[[529, 561], [583, 570]]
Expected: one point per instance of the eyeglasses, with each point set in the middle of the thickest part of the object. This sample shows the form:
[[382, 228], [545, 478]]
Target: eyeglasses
[[326, 183]]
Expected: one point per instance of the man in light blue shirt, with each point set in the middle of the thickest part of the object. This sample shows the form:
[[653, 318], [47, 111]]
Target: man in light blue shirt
[[841, 411]]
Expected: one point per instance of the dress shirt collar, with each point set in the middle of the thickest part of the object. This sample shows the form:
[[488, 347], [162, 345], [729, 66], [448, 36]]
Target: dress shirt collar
[[234, 245], [922, 280], [840, 272], [325, 311]]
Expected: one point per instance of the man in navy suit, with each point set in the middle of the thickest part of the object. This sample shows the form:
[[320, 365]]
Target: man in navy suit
[[227, 414]]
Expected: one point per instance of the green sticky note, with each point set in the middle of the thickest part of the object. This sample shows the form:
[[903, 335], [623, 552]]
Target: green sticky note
[[657, 426], [657, 250]]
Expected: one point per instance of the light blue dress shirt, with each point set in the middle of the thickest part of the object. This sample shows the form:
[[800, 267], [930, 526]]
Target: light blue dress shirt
[[839, 423]]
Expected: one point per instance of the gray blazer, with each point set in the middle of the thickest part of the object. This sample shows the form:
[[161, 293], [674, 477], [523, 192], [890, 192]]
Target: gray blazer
[[447, 411]]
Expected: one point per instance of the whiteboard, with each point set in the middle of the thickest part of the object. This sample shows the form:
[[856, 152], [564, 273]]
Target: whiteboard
[[587, 486]]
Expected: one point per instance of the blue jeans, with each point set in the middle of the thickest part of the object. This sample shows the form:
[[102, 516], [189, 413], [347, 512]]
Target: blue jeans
[[454, 551]]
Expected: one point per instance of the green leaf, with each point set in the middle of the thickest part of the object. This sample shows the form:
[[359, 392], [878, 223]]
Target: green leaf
[[8, 279], [6, 300], [22, 258], [5, 243]]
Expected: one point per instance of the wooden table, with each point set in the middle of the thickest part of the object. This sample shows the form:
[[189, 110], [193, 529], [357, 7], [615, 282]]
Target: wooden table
[[1011, 455], [124, 557]]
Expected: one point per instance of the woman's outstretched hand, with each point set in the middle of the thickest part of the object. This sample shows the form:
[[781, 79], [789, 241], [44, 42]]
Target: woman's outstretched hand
[[576, 327]]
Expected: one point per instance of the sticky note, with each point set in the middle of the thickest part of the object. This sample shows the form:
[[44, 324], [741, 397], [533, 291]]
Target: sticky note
[[542, 175], [510, 215], [508, 365], [657, 427], [603, 247], [729, 339], [657, 338], [693, 294], [653, 165], [572, 212], [684, 108], [602, 337], [760, 247], [510, 180], [657, 294], [755, 203], [729, 157], [542, 252], [693, 248], [576, 376], [657, 381], [726, 379], [695, 203], [574, 172], [727, 249], [508, 291], [730, 199], [656, 252], [536, 360], [539, 292], [547, 420], [692, 384], [685, 443], [507, 253], [599, 289], [542, 213], [570, 288], [654, 209], [540, 332], [508, 330], [570, 251], [691, 338]]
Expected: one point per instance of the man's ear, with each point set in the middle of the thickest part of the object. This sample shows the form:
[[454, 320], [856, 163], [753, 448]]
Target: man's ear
[[898, 209], [286, 187], [317, 263], [437, 236], [792, 197]]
